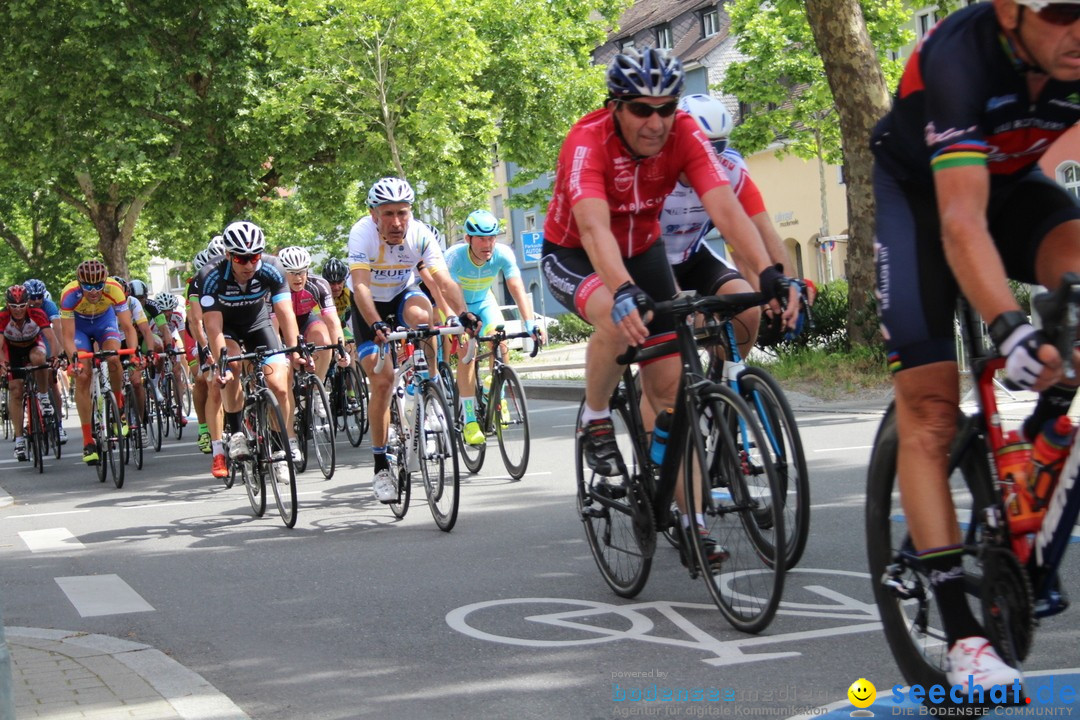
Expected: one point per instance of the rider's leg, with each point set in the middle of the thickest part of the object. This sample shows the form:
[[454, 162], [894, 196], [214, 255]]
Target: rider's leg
[[416, 311], [381, 385], [15, 387], [317, 332]]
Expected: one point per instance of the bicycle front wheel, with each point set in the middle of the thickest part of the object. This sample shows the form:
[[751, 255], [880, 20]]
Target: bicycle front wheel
[[395, 455], [737, 530], [135, 431], [438, 457], [152, 418], [37, 452], [354, 403], [320, 429], [275, 455], [114, 440], [617, 513], [511, 421], [782, 442]]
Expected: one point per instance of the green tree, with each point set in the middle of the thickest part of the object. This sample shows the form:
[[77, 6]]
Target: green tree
[[810, 68]]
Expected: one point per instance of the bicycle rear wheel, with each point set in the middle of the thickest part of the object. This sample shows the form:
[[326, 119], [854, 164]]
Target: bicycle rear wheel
[[165, 407], [114, 440], [55, 423], [511, 420], [617, 513], [301, 422], [152, 417], [135, 431], [395, 455], [782, 441], [738, 542], [279, 473], [320, 429], [910, 616], [37, 452], [354, 403], [438, 457], [472, 455]]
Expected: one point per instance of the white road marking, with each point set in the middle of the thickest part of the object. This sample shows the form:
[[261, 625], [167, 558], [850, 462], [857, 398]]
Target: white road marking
[[96, 595], [50, 540], [842, 449]]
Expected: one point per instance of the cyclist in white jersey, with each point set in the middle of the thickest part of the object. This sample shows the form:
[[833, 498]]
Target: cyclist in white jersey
[[384, 250], [684, 224]]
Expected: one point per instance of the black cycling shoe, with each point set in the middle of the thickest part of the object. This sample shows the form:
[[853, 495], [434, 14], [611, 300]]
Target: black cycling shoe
[[601, 451], [715, 553]]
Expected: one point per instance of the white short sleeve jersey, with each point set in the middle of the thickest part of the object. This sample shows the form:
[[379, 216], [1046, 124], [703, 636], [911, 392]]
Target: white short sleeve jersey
[[393, 267]]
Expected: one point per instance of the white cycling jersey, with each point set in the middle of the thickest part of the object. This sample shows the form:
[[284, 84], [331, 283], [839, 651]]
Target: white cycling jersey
[[393, 267]]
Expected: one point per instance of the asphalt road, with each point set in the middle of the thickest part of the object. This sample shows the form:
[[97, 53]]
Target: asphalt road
[[355, 614]]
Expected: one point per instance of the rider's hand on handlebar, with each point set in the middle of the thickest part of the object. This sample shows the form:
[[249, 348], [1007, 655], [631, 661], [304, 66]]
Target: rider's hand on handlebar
[[380, 330], [1030, 361], [631, 310], [470, 322]]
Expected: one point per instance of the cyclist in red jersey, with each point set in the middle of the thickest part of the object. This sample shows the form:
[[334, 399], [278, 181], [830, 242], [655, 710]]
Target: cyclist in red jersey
[[601, 258]]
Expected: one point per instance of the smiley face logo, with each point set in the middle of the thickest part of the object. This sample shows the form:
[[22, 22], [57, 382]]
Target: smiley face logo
[[862, 693]]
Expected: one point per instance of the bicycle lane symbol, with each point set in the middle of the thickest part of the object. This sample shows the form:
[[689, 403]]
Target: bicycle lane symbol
[[595, 622]]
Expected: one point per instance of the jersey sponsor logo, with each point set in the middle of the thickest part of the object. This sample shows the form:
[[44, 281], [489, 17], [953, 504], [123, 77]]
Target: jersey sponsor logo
[[1072, 102], [933, 137], [1001, 100], [576, 166], [634, 207], [206, 301], [1000, 154], [624, 180]]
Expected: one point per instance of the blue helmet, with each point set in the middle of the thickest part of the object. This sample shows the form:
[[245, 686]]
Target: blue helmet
[[650, 72], [481, 223], [35, 289]]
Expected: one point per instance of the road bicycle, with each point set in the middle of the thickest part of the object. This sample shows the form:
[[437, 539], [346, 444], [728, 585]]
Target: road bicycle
[[349, 396], [40, 432], [1010, 594], [782, 441], [106, 425], [172, 412], [264, 425], [714, 443], [501, 410], [312, 419], [133, 441], [5, 412], [420, 434]]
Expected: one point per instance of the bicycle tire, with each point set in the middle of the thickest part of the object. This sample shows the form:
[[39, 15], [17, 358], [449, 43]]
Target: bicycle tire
[[453, 395], [135, 429], [114, 440], [5, 412], [748, 584], [269, 442], [910, 616], [101, 436], [34, 408], [178, 409], [624, 564], [53, 434], [473, 455], [320, 429], [301, 423], [355, 422], [438, 457], [765, 397], [165, 407], [395, 455], [511, 420]]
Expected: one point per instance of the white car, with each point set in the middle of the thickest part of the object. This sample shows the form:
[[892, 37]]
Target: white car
[[512, 324]]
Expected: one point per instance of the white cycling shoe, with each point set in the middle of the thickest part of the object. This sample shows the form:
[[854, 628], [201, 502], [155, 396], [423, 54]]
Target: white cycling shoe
[[384, 488], [974, 660]]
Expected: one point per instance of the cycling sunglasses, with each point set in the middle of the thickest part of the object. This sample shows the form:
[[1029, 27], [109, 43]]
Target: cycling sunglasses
[[16, 306], [91, 287], [1061, 14], [645, 110], [245, 259]]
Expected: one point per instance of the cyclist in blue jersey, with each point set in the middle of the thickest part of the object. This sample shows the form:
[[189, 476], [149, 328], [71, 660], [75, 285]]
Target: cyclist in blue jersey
[[39, 298], [963, 206], [475, 265]]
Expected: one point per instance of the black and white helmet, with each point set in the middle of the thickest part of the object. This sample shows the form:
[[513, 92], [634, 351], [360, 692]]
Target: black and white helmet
[[166, 301], [201, 258], [216, 246], [335, 270], [138, 288], [244, 238], [295, 259], [390, 190]]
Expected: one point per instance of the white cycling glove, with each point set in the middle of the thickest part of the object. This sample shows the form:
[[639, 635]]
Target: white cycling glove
[[1018, 342]]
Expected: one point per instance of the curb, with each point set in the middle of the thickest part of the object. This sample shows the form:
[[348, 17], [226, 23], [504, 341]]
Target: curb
[[191, 696]]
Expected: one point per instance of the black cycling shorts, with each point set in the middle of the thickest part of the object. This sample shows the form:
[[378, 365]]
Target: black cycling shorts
[[251, 338], [704, 272], [916, 289], [393, 308]]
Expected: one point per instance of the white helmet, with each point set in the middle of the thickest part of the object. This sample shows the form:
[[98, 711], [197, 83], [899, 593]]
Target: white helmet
[[390, 190], [1038, 5], [244, 238], [295, 259], [216, 246], [166, 301], [711, 115], [201, 258]]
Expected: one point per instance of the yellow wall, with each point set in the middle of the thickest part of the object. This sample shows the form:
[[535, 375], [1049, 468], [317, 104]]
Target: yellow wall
[[790, 188]]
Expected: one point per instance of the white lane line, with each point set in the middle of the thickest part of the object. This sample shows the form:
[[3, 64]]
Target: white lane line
[[50, 540], [96, 595], [842, 449], [47, 514]]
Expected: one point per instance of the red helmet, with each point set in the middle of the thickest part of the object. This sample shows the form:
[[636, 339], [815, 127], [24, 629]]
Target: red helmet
[[91, 272], [17, 295]]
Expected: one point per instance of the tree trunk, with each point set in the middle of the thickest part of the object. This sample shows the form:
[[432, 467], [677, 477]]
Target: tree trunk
[[858, 86]]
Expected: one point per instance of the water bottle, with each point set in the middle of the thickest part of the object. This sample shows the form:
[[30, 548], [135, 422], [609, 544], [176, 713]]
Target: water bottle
[[1014, 463], [1048, 454], [661, 429]]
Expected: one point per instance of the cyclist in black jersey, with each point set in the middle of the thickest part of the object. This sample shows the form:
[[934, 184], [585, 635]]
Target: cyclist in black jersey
[[233, 293], [962, 205]]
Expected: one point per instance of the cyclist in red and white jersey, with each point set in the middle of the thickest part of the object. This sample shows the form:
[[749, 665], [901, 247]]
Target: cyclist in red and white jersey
[[311, 292], [601, 258]]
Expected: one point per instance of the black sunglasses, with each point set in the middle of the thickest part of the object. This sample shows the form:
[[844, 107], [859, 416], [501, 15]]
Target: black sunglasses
[[1059, 14], [246, 259], [645, 110]]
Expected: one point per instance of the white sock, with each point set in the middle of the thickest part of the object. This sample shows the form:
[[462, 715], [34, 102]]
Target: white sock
[[588, 414]]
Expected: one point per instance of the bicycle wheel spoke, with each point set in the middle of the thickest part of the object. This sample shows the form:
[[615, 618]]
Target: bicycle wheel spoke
[[438, 458], [273, 451], [511, 420]]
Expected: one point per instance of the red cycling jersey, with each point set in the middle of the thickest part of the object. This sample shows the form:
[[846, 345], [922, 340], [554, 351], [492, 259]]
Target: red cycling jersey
[[595, 163]]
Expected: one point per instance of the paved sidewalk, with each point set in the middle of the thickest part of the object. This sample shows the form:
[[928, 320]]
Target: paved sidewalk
[[64, 675]]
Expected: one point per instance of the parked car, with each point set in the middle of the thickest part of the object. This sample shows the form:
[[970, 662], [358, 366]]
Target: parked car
[[512, 323]]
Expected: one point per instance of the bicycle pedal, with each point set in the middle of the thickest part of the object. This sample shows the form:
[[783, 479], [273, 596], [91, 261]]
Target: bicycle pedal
[[608, 491]]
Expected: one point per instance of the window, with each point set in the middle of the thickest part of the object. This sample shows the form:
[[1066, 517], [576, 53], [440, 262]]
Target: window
[[530, 222], [626, 45], [500, 212], [663, 36], [176, 279], [710, 22], [1068, 174], [925, 20]]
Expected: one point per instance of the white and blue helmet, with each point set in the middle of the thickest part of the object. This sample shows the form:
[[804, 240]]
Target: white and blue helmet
[[650, 72], [390, 190]]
